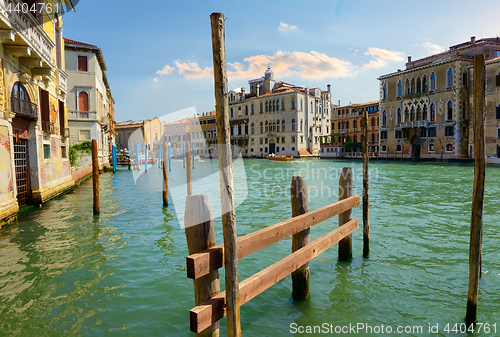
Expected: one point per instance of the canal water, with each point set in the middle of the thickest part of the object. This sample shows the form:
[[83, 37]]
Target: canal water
[[65, 272]]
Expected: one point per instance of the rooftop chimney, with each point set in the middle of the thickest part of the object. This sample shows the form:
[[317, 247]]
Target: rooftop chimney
[[242, 94], [339, 102], [409, 59], [328, 86], [257, 90], [472, 40]]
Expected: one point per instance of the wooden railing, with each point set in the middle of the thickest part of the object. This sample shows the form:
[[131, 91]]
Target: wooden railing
[[202, 266]]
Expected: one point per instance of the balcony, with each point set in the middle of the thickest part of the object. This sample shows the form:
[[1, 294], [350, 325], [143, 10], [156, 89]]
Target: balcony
[[24, 108], [62, 81], [24, 36], [48, 127], [82, 116], [416, 124]]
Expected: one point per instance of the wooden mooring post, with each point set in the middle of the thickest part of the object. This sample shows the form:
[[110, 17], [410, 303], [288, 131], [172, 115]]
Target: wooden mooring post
[[200, 235], [145, 157], [366, 156], [226, 176], [189, 178], [300, 205], [183, 154], [345, 191], [95, 177], [137, 157], [165, 175], [169, 157], [476, 229], [114, 159]]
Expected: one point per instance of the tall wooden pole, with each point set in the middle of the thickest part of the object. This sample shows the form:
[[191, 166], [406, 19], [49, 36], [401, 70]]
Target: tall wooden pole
[[476, 229], [366, 154], [345, 191], [95, 177], [300, 205], [188, 170], [165, 174], [200, 235], [226, 176]]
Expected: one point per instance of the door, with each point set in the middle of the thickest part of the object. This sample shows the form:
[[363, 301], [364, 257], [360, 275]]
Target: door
[[272, 147], [22, 176]]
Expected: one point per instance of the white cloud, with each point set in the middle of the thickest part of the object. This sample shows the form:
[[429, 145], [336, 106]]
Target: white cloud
[[288, 64], [381, 57], [286, 27], [432, 48]]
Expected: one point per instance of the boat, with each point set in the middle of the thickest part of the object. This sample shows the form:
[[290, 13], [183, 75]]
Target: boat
[[279, 157]]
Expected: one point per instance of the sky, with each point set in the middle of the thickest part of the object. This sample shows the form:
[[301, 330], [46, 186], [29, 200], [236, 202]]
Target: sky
[[159, 53]]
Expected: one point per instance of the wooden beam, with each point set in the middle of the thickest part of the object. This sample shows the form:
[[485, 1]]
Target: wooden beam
[[202, 263], [226, 175], [206, 314], [30, 62], [345, 191], [476, 228], [17, 50]]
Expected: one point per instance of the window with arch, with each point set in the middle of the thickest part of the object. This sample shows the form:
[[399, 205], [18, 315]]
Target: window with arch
[[252, 109], [449, 111], [261, 107], [398, 148], [412, 114], [384, 118], [355, 138], [277, 105], [293, 103], [246, 110], [373, 121], [400, 88], [419, 84], [278, 125], [283, 104], [407, 87], [432, 148], [449, 147], [355, 125], [464, 107], [373, 137], [252, 129], [433, 112], [20, 101], [419, 113], [266, 126], [449, 78], [293, 124], [384, 148], [231, 112], [424, 83], [283, 125], [83, 101], [266, 106], [274, 126], [301, 125], [399, 116], [274, 105], [424, 112], [384, 91], [340, 126], [301, 104], [412, 86], [261, 127], [347, 125], [361, 123], [433, 81]]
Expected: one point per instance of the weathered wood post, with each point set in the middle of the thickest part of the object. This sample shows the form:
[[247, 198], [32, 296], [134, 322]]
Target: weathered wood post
[[200, 235], [476, 229], [183, 154], [300, 205], [169, 157], [160, 155], [366, 223], [95, 177], [145, 157], [345, 191], [165, 176], [113, 155], [188, 171], [226, 176], [138, 156]]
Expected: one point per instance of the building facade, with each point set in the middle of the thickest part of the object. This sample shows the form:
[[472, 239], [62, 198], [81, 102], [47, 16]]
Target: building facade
[[89, 97], [177, 133], [278, 117], [34, 163], [426, 108], [204, 134]]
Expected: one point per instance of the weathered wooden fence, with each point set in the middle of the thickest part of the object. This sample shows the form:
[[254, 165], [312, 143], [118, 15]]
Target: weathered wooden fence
[[203, 265]]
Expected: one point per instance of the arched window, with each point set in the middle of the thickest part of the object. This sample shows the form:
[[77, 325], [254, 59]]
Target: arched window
[[412, 114], [266, 106], [407, 87], [355, 138], [419, 114], [464, 106], [246, 110], [20, 101], [449, 78], [301, 104], [433, 112], [449, 147], [424, 83], [449, 111], [293, 103], [277, 105], [373, 121], [261, 107], [347, 125], [399, 116], [384, 118], [293, 124], [231, 112], [252, 109], [261, 127], [361, 123], [424, 115], [83, 101], [400, 88], [433, 81], [340, 126], [355, 125], [373, 137], [283, 125], [384, 91], [384, 148], [282, 104], [432, 147], [266, 127], [274, 105], [274, 126], [398, 148], [278, 125], [412, 86], [301, 125], [252, 129], [419, 84]]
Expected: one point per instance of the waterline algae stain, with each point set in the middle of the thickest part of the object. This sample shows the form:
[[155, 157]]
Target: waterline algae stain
[[122, 274]]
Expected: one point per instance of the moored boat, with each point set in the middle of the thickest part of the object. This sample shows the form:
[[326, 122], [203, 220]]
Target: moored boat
[[279, 157]]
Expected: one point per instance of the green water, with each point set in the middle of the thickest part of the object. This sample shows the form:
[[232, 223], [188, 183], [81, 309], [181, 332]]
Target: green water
[[64, 272]]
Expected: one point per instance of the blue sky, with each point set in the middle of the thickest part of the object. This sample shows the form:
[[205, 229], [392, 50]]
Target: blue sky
[[159, 53]]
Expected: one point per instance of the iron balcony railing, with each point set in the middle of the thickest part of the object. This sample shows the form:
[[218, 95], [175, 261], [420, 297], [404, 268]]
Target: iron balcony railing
[[24, 108], [48, 127]]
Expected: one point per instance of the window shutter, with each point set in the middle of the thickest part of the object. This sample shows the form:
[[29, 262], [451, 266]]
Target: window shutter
[[82, 63]]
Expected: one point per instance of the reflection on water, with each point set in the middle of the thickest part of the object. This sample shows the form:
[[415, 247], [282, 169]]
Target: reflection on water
[[65, 272]]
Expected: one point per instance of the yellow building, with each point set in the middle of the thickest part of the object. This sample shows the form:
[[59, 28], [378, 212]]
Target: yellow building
[[204, 134], [33, 117]]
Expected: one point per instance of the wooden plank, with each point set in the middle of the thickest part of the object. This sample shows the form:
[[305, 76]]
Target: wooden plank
[[300, 205], [476, 230], [211, 259], [366, 218], [345, 191], [226, 175], [95, 177], [200, 235], [211, 311]]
